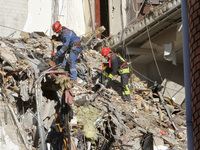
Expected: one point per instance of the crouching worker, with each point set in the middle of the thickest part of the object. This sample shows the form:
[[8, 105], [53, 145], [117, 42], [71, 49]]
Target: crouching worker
[[116, 64], [70, 44]]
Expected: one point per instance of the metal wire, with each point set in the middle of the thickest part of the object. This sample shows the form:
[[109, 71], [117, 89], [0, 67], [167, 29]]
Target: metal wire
[[153, 52]]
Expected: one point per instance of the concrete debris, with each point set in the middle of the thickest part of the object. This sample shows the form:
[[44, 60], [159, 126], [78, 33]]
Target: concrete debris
[[51, 111]]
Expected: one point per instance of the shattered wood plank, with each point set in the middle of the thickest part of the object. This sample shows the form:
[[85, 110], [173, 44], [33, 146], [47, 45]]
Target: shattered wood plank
[[162, 124], [98, 31], [13, 72], [3, 72], [25, 34]]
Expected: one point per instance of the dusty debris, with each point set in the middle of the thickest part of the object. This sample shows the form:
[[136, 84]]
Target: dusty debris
[[96, 118]]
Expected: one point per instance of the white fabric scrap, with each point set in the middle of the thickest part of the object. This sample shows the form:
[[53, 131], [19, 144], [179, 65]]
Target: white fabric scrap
[[169, 53]]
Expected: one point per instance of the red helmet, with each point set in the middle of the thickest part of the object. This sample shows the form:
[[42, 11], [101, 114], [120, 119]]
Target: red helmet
[[105, 51], [56, 26]]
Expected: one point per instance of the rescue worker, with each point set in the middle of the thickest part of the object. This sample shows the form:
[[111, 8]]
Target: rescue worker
[[116, 65], [70, 45]]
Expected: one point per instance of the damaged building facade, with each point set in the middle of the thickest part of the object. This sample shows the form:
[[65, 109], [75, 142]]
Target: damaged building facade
[[147, 33]]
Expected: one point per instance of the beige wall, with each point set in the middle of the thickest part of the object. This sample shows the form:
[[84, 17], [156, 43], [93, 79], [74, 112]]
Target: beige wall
[[87, 17], [71, 15], [120, 17], [39, 15], [13, 15], [114, 17], [23, 15]]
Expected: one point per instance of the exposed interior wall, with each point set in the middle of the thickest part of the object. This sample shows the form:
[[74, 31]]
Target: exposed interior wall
[[13, 15], [87, 17], [167, 70], [121, 13], [150, 74], [39, 17], [114, 17], [132, 10], [71, 15]]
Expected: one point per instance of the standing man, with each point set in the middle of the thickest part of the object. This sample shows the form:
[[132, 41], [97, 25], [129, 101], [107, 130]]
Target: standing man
[[71, 45], [116, 65]]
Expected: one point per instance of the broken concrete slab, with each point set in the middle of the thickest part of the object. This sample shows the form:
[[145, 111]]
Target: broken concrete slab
[[174, 91]]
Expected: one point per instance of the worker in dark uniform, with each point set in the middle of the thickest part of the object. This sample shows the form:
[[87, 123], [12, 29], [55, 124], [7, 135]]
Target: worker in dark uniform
[[116, 65], [71, 45]]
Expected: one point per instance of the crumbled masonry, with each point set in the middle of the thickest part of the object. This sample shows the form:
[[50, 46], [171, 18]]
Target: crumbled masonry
[[31, 90]]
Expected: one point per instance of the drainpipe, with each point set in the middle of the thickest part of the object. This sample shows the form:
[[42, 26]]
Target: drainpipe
[[186, 54]]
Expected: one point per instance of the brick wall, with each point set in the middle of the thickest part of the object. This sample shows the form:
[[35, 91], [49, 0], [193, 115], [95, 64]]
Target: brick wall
[[194, 46], [97, 16], [145, 9], [13, 14]]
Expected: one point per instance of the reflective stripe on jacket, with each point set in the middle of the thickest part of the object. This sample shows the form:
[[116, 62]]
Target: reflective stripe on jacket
[[117, 64]]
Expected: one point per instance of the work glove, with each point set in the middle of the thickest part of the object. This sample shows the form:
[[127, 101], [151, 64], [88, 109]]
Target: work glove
[[53, 37], [53, 54], [106, 81], [55, 59]]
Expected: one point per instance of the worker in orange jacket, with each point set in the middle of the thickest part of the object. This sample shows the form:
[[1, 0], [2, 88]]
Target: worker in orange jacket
[[116, 65]]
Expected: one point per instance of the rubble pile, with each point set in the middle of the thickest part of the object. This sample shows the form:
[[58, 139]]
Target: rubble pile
[[97, 118]]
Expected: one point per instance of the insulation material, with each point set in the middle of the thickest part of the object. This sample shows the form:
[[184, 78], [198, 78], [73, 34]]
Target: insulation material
[[63, 81], [87, 116]]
